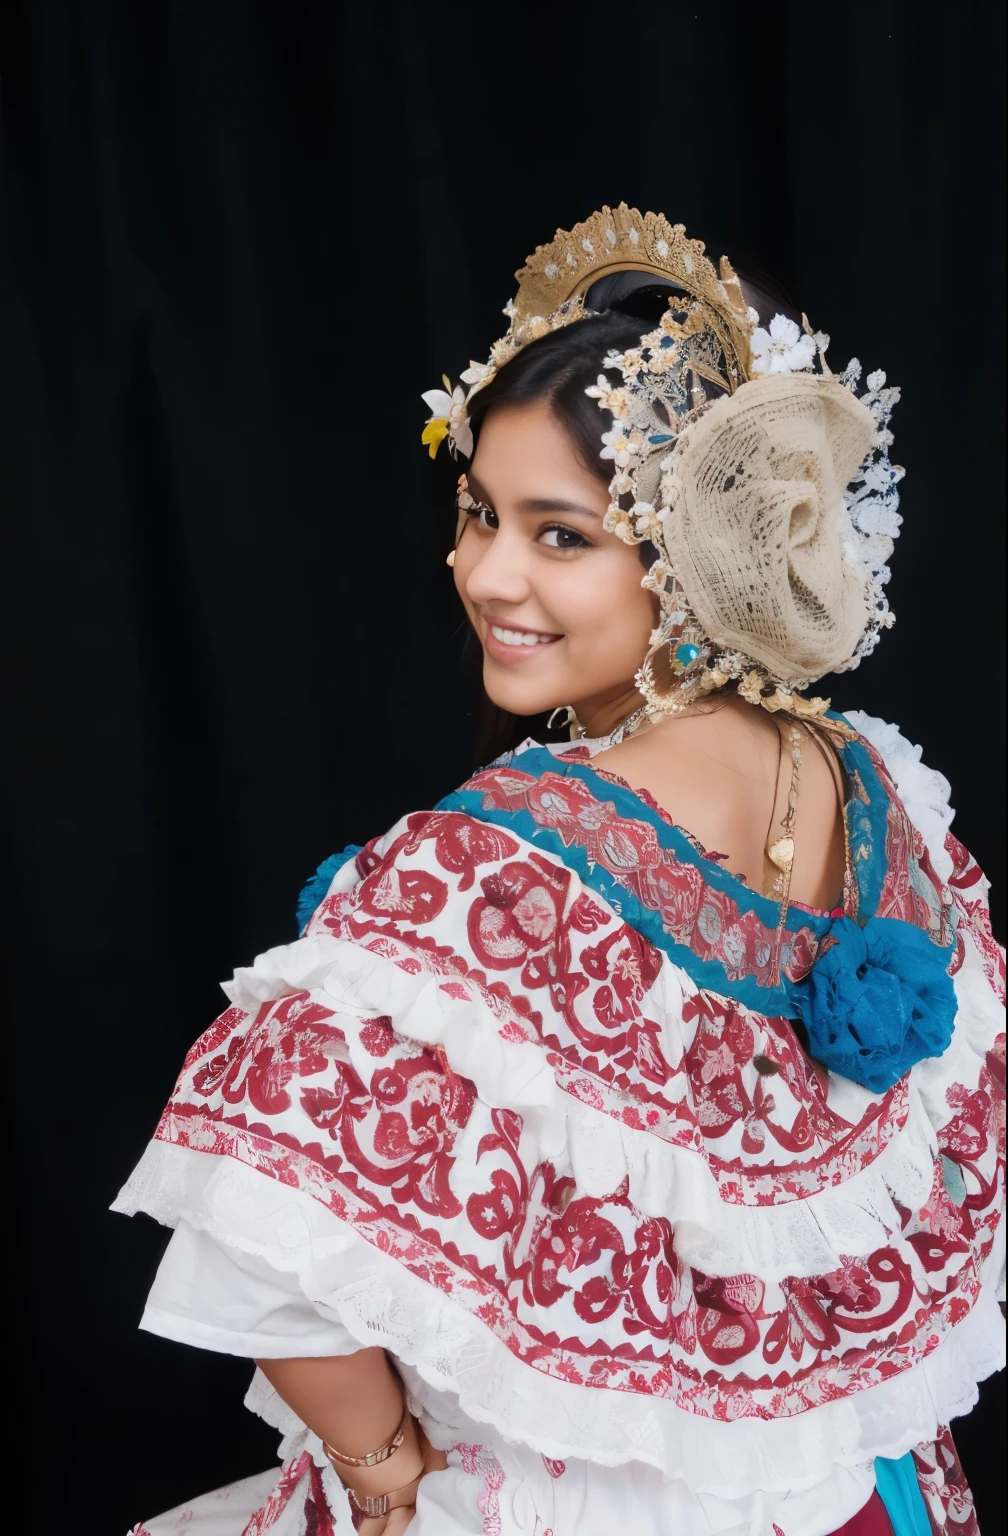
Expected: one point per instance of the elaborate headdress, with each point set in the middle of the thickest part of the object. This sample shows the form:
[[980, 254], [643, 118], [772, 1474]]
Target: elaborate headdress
[[771, 504]]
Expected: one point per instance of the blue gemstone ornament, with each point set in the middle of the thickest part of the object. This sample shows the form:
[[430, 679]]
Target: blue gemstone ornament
[[686, 653]]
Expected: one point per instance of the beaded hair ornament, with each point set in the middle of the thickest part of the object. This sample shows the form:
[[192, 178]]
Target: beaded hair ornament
[[761, 480]]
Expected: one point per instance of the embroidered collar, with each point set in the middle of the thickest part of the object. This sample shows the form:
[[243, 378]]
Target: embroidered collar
[[705, 918]]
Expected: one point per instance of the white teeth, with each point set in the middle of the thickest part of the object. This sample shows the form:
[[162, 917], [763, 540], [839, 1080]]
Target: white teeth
[[518, 636]]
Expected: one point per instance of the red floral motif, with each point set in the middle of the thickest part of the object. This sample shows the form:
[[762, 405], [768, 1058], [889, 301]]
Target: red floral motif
[[969, 885], [377, 1036], [707, 920], [290, 1038], [219, 1031], [805, 1321], [408, 895], [298, 1480], [398, 1131], [460, 844], [943, 1484], [518, 914], [743, 1093], [477, 1461], [726, 1316], [487, 1206], [728, 1093]]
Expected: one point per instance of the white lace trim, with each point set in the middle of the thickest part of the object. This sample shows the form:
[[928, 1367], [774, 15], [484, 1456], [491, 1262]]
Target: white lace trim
[[445, 1348]]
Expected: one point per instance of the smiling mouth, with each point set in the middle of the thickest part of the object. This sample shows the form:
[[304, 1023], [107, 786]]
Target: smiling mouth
[[529, 637], [505, 643]]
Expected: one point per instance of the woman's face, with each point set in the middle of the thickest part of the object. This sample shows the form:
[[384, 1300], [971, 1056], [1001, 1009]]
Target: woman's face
[[556, 601]]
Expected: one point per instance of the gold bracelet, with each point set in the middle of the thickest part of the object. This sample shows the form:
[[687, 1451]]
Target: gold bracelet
[[375, 1504], [369, 1504], [373, 1458]]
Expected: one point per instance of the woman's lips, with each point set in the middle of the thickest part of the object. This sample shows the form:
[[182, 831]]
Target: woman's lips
[[508, 643]]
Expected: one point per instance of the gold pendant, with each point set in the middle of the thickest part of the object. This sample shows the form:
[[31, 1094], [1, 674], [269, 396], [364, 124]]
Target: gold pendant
[[781, 853]]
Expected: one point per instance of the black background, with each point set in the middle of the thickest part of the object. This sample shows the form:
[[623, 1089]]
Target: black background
[[240, 239]]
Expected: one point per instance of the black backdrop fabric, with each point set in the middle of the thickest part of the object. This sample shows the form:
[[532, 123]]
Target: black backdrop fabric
[[240, 239]]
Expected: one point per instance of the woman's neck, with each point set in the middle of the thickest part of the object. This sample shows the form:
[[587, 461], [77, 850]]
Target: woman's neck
[[605, 712]]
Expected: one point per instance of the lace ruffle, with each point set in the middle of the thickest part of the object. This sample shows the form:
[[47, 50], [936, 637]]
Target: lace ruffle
[[449, 1351]]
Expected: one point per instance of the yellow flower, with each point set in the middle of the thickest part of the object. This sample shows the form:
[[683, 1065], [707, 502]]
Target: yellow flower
[[434, 434]]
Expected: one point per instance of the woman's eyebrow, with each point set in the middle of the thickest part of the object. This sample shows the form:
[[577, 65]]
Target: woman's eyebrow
[[555, 504], [475, 490], [534, 503]]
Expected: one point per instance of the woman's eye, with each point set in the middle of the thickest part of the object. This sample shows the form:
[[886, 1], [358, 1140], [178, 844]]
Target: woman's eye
[[486, 515], [561, 537]]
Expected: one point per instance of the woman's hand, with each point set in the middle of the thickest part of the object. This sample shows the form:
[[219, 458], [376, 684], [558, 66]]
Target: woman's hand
[[397, 1520], [392, 1524]]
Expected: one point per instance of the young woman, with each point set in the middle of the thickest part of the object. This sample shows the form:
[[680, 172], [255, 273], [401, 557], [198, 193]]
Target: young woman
[[621, 1146]]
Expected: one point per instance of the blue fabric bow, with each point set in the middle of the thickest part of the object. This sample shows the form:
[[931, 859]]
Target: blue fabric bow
[[877, 1000], [314, 893]]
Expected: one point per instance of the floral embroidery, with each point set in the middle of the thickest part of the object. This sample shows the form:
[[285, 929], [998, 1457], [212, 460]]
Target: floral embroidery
[[588, 975], [941, 1480], [479, 1462], [583, 1285], [968, 885], [697, 920]]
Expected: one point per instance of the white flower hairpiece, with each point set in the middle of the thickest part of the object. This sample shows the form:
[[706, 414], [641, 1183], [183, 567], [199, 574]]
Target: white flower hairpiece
[[449, 411], [450, 407], [781, 349]]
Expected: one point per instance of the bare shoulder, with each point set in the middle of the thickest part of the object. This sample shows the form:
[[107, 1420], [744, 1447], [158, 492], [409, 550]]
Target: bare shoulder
[[724, 778], [705, 770]]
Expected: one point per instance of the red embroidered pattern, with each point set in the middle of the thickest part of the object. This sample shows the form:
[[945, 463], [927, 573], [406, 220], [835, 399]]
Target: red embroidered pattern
[[477, 1461], [587, 1288], [911, 891], [589, 973], [947, 1497], [697, 915], [968, 884]]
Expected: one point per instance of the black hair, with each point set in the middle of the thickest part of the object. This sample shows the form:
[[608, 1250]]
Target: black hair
[[556, 369]]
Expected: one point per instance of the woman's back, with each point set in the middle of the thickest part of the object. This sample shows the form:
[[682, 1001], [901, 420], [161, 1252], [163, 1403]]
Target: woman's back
[[725, 775]]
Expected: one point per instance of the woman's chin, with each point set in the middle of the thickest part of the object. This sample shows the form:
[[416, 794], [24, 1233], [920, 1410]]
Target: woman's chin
[[517, 698]]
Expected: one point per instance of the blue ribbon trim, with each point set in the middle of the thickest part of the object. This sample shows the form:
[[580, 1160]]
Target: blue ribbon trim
[[537, 762], [899, 1490]]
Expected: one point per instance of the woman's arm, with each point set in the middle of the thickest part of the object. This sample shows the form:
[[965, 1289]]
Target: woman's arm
[[355, 1404]]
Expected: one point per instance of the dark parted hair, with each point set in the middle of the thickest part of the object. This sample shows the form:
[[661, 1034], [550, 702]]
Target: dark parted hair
[[556, 369]]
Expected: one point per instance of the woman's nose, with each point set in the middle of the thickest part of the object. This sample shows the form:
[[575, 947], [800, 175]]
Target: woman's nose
[[499, 573]]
